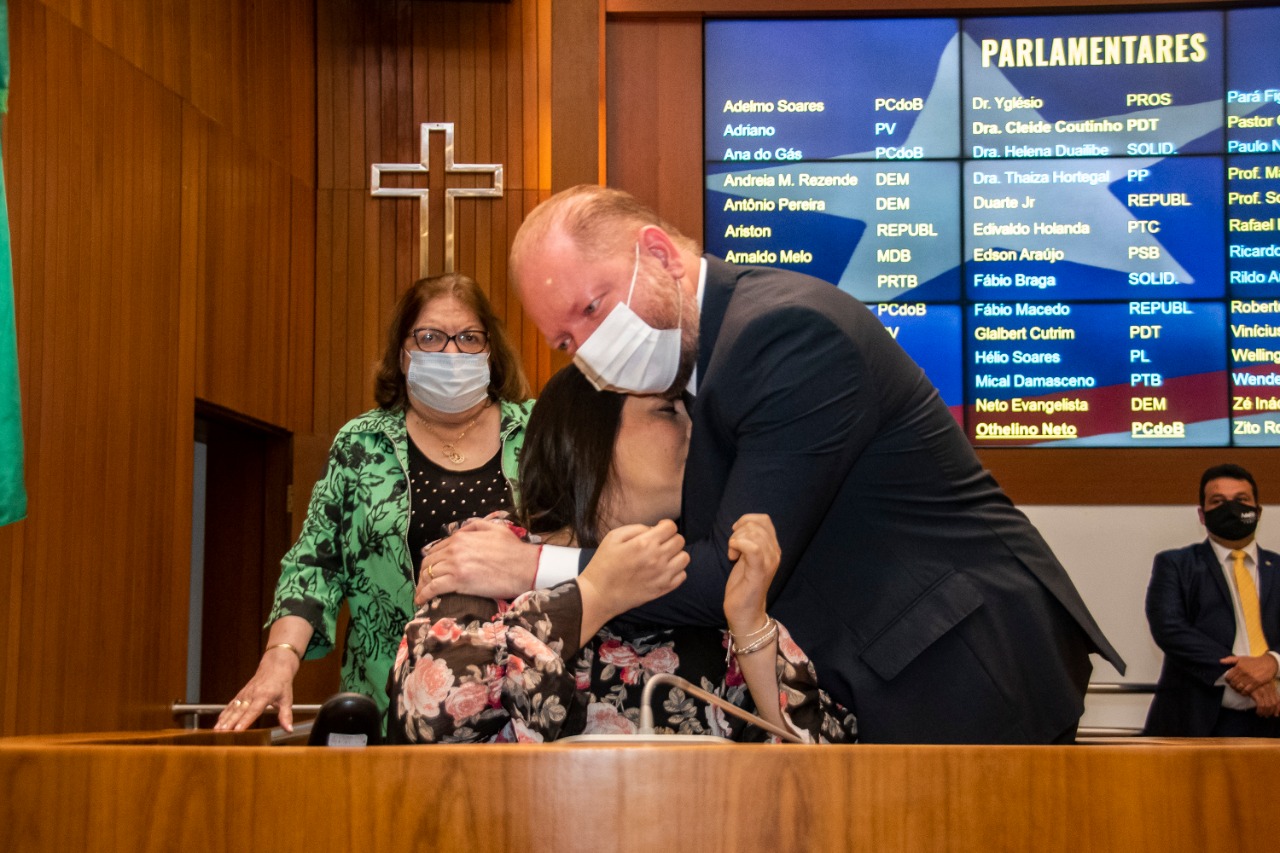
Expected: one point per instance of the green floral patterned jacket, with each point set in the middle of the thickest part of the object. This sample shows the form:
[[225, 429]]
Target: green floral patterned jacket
[[354, 545]]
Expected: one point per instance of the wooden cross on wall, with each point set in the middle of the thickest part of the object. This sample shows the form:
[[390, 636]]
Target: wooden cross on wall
[[451, 194]]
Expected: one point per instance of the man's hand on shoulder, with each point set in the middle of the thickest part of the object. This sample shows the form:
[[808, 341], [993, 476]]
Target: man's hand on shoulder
[[480, 558]]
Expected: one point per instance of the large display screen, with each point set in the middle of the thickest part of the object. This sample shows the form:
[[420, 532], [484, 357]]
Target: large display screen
[[1070, 222]]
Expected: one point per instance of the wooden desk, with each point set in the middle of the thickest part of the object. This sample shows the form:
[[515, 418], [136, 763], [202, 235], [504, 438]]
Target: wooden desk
[[195, 791]]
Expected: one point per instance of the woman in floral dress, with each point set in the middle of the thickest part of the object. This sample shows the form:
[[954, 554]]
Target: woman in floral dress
[[603, 469]]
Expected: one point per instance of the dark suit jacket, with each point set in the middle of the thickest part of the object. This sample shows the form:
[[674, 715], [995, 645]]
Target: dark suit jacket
[[929, 604], [1192, 620]]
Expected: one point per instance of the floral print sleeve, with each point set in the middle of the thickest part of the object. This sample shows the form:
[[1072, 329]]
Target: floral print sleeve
[[470, 671], [810, 711]]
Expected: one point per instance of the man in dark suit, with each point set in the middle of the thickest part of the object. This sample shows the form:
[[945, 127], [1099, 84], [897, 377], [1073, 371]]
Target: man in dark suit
[[930, 606], [1214, 609]]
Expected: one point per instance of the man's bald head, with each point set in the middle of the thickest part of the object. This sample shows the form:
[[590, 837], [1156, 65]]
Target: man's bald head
[[598, 221]]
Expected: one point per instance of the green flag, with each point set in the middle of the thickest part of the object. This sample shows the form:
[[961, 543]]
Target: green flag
[[13, 494]]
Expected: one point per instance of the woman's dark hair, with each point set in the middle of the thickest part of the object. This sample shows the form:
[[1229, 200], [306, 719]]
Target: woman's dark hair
[[567, 457], [506, 377]]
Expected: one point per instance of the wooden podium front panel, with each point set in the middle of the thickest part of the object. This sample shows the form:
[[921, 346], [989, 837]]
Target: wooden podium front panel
[[1153, 796]]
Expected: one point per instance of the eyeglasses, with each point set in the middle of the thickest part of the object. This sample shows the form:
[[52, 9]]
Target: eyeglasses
[[469, 341]]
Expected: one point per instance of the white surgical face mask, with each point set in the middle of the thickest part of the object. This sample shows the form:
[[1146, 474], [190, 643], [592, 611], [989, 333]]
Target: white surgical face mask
[[626, 354], [447, 381]]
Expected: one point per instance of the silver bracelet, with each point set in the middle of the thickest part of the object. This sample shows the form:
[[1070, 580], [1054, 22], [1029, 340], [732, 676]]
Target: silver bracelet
[[753, 634], [771, 634]]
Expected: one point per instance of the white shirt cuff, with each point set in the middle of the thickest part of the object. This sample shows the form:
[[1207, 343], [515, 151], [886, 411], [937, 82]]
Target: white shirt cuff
[[556, 564]]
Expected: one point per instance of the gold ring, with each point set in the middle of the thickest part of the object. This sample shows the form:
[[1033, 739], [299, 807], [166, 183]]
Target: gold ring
[[430, 574]]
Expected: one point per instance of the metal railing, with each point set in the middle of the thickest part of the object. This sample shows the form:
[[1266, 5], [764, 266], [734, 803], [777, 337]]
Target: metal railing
[[1112, 689], [1122, 687], [189, 714]]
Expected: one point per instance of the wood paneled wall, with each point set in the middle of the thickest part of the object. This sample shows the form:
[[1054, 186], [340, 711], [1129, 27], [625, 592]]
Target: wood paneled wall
[[189, 187], [160, 163], [384, 69], [648, 99]]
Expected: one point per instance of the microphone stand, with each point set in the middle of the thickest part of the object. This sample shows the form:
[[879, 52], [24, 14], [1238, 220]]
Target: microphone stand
[[646, 709]]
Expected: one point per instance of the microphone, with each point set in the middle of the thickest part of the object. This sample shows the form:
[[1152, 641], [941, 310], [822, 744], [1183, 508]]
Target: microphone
[[646, 707], [347, 719]]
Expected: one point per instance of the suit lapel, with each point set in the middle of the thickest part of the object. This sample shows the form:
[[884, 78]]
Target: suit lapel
[[1209, 560], [721, 278]]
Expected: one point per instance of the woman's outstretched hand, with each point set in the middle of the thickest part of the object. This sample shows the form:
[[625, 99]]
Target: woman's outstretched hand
[[272, 684]]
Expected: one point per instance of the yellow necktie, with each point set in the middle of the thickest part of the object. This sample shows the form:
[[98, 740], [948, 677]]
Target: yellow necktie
[[1249, 605]]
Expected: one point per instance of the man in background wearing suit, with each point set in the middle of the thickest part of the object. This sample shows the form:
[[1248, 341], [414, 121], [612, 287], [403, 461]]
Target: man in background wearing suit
[[1214, 609], [929, 604]]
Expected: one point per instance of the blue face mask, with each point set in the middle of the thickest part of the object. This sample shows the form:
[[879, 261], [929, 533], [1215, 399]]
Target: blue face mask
[[448, 382]]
